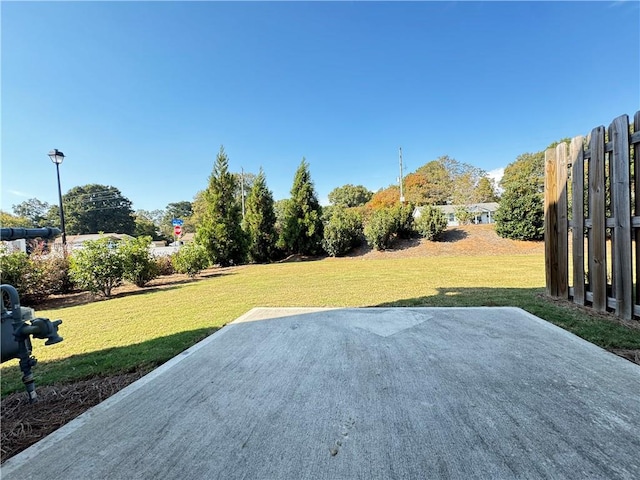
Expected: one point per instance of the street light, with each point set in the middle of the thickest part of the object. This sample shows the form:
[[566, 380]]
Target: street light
[[57, 157]]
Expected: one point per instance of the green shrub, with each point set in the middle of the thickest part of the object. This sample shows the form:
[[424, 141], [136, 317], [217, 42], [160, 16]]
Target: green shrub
[[342, 232], [403, 215], [431, 222], [139, 266], [57, 273], [381, 229], [463, 215], [26, 275], [520, 216], [13, 269], [36, 276], [98, 267], [191, 259]]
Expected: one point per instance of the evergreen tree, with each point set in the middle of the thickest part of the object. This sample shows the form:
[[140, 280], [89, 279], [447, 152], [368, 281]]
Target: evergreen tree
[[260, 221], [220, 231], [302, 231]]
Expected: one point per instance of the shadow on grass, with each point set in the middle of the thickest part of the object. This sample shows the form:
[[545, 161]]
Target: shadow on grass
[[140, 357], [453, 235], [604, 330]]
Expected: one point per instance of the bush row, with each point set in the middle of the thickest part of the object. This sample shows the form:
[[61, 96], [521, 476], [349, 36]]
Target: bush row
[[98, 268], [103, 265], [347, 228]]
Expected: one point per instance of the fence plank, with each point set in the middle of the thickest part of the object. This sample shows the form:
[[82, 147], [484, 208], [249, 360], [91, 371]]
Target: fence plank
[[636, 212], [621, 209], [562, 240], [576, 159], [597, 240], [550, 223]]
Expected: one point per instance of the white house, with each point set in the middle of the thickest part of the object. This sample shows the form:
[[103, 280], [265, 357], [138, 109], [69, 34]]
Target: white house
[[77, 241], [480, 212]]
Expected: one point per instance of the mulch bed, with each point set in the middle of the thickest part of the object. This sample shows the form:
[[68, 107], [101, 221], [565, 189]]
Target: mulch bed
[[24, 423]]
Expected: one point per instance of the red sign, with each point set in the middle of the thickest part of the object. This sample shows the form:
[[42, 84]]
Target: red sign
[[177, 230]]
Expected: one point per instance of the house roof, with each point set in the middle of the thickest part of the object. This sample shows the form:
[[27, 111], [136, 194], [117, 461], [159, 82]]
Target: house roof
[[93, 236], [473, 208]]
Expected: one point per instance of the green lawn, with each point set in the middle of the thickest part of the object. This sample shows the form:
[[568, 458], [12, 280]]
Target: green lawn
[[142, 330]]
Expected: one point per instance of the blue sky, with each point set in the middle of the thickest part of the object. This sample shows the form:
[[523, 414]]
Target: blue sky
[[140, 95]]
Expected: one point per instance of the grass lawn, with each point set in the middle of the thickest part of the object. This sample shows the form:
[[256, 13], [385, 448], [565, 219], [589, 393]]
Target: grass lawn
[[145, 328]]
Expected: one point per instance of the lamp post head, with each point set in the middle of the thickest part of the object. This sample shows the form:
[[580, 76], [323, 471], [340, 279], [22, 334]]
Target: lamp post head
[[56, 156]]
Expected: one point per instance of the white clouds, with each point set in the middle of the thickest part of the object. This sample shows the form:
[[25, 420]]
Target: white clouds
[[19, 194], [496, 174]]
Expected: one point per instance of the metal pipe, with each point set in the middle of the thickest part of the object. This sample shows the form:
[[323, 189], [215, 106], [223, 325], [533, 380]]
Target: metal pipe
[[64, 231]]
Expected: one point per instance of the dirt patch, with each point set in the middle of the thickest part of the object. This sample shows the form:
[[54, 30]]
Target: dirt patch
[[467, 240]]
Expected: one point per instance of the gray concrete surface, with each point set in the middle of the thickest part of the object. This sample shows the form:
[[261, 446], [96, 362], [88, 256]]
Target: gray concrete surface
[[380, 393]]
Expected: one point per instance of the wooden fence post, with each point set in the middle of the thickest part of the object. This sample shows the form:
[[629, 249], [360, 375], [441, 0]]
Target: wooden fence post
[[621, 211], [597, 232], [576, 159], [636, 147], [562, 240], [550, 223]]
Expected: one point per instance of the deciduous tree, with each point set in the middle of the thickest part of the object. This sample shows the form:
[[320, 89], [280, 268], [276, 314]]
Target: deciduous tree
[[384, 198], [145, 226], [13, 221], [446, 180], [485, 191], [33, 209], [97, 208], [181, 210], [350, 196]]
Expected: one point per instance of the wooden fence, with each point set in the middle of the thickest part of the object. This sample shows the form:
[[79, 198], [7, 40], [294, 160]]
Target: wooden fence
[[592, 219]]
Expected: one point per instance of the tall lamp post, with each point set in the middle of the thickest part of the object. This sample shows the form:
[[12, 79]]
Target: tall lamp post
[[57, 157]]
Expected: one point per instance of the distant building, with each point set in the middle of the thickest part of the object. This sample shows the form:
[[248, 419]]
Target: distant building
[[173, 247], [15, 246], [77, 241], [480, 212]]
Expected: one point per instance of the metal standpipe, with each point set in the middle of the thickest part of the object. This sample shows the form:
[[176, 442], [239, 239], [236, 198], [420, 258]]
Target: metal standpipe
[[18, 323]]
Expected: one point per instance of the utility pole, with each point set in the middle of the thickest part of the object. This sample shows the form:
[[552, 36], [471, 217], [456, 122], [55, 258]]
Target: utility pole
[[401, 179], [242, 189]]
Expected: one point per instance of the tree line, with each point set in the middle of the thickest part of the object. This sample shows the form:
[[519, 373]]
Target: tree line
[[269, 229]]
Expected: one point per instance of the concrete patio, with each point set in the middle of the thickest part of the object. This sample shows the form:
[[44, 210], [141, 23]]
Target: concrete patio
[[376, 393]]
